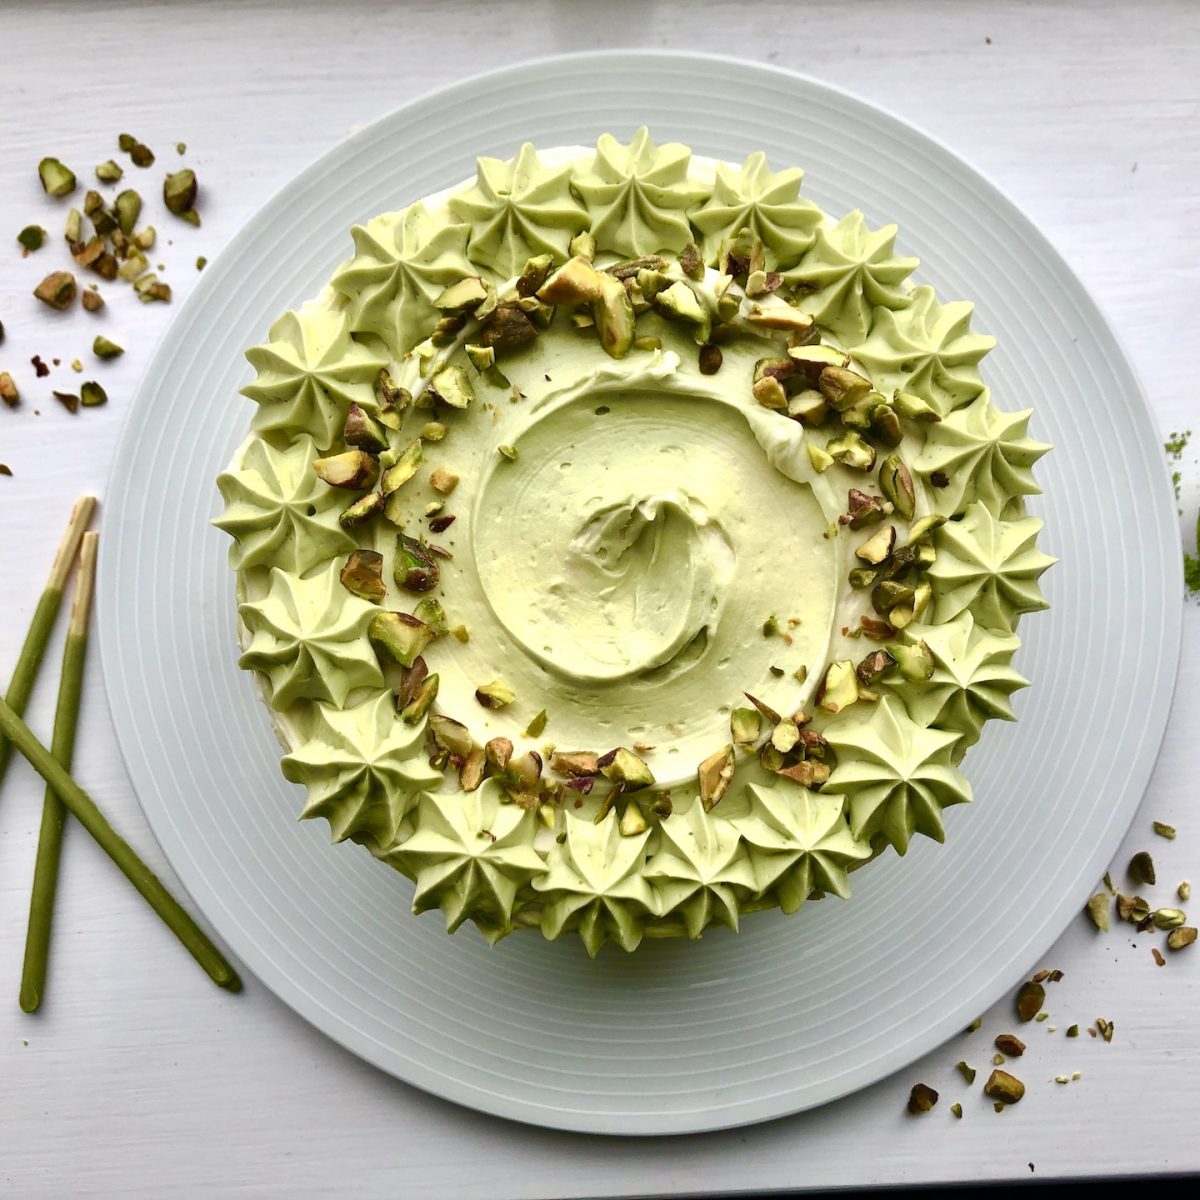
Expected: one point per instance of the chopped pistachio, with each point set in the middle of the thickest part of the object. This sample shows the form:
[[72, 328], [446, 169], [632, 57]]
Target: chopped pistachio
[[495, 694], [1166, 831], [583, 245], [422, 697], [1042, 1016], [998, 1059], [710, 359], [128, 207], [1097, 909], [768, 391], [415, 567], [921, 529], [451, 386], [1010, 1044], [398, 637], [109, 172], [57, 180], [1108, 883], [840, 688], [852, 451], [363, 575], [1141, 868], [1030, 998], [102, 347], [362, 511], [433, 614], [1168, 918], [460, 633], [974, 1025], [914, 408], [1072, 1031], [820, 460], [464, 296], [1184, 891], [443, 481], [32, 237], [915, 661], [715, 774], [1132, 908], [896, 484], [842, 387], [1105, 1028], [922, 1098], [91, 394], [537, 725], [408, 461], [8, 390], [1003, 1087], [626, 768], [632, 821], [576, 763], [744, 727], [68, 400], [179, 192], [690, 261], [968, 1073], [140, 153], [507, 451], [878, 548], [57, 290], [201, 262], [355, 470], [957, 1110], [873, 666], [1177, 939], [1158, 958]]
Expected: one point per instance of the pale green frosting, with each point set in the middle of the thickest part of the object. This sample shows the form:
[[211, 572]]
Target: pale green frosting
[[849, 271], [309, 637], [364, 769], [699, 872], [988, 566], [594, 884], [986, 454], [798, 842], [470, 856], [309, 374], [972, 677], [402, 262], [927, 348], [895, 774], [637, 195], [278, 512], [518, 209], [766, 203]]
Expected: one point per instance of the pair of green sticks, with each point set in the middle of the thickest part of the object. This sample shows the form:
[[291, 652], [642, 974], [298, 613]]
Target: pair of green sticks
[[63, 794]]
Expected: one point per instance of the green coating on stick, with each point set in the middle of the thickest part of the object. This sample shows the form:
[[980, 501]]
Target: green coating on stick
[[33, 651], [62, 746], [84, 810]]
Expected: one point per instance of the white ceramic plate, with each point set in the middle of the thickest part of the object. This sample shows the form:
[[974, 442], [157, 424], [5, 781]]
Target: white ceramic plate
[[680, 1036]]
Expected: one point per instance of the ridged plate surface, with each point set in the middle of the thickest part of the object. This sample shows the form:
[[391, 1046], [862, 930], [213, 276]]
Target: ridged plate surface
[[679, 1036]]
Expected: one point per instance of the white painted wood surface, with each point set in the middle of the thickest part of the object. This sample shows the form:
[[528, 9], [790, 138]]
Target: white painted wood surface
[[142, 1080]]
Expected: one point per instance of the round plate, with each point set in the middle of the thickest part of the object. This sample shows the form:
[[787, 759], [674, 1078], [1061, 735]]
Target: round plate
[[680, 1036]]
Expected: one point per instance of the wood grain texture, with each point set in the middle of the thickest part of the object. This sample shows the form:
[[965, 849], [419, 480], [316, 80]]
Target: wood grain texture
[[138, 1080]]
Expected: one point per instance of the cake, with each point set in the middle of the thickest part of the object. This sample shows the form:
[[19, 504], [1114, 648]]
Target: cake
[[623, 545]]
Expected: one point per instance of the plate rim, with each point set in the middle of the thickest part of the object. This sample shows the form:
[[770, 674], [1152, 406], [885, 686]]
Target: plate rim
[[257, 961]]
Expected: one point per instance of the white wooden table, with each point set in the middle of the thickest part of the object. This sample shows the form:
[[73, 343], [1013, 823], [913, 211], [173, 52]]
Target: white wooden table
[[139, 1079]]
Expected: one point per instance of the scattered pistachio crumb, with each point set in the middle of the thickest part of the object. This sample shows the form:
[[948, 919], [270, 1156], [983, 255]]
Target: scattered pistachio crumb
[[1042, 1016], [1141, 868], [507, 451], [1061, 1079], [1184, 891], [460, 632], [1072, 1031], [1051, 1028], [968, 1073], [5, 469], [998, 1106], [770, 627], [922, 1098], [974, 1025], [537, 725], [201, 263], [998, 1059], [1165, 831], [181, 147], [1157, 955], [956, 1109], [1076, 1075], [76, 365]]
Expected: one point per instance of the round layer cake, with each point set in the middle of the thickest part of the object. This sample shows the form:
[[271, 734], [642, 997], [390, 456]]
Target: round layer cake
[[624, 545]]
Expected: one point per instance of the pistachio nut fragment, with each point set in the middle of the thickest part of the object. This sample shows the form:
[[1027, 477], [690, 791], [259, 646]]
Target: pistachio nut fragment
[[613, 314], [362, 511], [885, 426], [1029, 1001], [91, 394], [921, 1099], [415, 567], [861, 577], [769, 392], [464, 296], [862, 509], [497, 752], [920, 530], [806, 773], [1010, 1044], [1184, 891], [915, 661], [8, 390], [714, 776], [363, 432], [1097, 909], [811, 361], [842, 387], [785, 736], [1177, 939], [1164, 830], [179, 192], [808, 407], [914, 408], [575, 763], [537, 726], [583, 245], [710, 359], [878, 548], [398, 637], [68, 400], [680, 303], [32, 238], [1141, 868], [690, 261], [888, 595], [127, 208], [495, 694], [57, 180], [1132, 908], [139, 152], [433, 614], [632, 821], [109, 172], [625, 768], [402, 470], [355, 470], [1168, 918], [451, 386], [840, 687], [873, 666], [422, 697], [393, 400], [57, 290], [144, 239], [968, 1073], [73, 231], [1105, 1028], [851, 451], [363, 575], [533, 274], [103, 348], [896, 484], [775, 313], [820, 460], [470, 774], [766, 710], [1003, 1087], [744, 727], [506, 328]]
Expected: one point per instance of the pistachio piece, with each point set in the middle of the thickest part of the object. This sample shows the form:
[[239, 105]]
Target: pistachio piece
[[921, 1099], [537, 726], [914, 408], [811, 361], [363, 575], [127, 207], [109, 172], [806, 773], [878, 548], [632, 821], [885, 425], [103, 348], [842, 387], [433, 614], [915, 661], [968, 1073], [33, 237], [1168, 918], [1141, 868], [625, 768], [507, 327], [402, 470], [1164, 831], [533, 275], [714, 775], [1029, 1000], [896, 484], [393, 400], [710, 359], [73, 231], [363, 432], [820, 460], [680, 303], [775, 313], [1132, 908], [140, 153], [68, 400], [1003, 1087], [57, 180], [873, 666], [863, 509], [767, 711], [415, 568], [497, 752], [507, 451], [8, 390], [583, 245], [422, 697], [179, 192], [443, 481], [464, 296], [920, 530], [451, 386], [1177, 939], [769, 392], [57, 290], [647, 343], [614, 316], [690, 261], [1184, 891], [91, 394], [785, 736], [362, 511], [470, 774], [839, 689], [852, 451], [1105, 1028], [144, 239], [808, 407], [1097, 909], [398, 637], [355, 470], [861, 577], [495, 694], [1010, 1044], [575, 762], [744, 727]]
